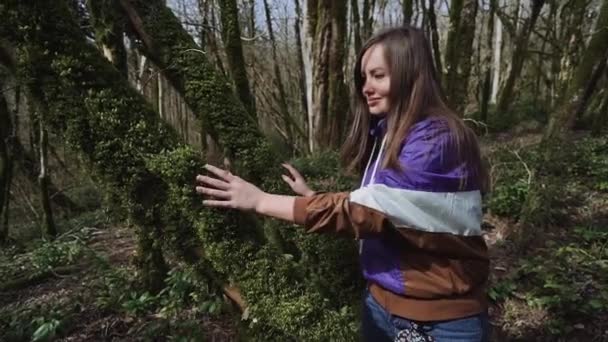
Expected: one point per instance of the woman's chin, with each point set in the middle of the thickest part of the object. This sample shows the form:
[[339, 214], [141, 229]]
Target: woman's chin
[[376, 112]]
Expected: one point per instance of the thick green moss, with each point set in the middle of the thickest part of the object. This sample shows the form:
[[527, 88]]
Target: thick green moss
[[206, 91], [303, 298], [298, 299], [99, 114]]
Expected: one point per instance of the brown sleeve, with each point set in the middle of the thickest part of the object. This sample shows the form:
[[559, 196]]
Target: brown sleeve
[[333, 212]]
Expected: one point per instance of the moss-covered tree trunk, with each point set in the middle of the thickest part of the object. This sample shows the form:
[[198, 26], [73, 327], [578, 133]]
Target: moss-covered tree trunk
[[208, 94], [459, 52], [231, 34], [518, 58], [137, 155], [93, 106], [205, 90], [545, 186], [226, 246]]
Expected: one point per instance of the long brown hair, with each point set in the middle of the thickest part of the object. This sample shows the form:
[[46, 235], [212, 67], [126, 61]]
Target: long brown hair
[[415, 93]]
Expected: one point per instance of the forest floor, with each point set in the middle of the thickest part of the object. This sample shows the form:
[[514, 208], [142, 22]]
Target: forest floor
[[557, 291], [81, 293]]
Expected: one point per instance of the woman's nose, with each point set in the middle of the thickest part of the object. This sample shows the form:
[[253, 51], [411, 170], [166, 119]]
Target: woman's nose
[[367, 89]]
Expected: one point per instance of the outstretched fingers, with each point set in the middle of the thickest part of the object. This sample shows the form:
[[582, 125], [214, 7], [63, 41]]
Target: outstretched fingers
[[292, 170], [223, 174], [213, 192], [218, 204], [287, 180], [214, 182]]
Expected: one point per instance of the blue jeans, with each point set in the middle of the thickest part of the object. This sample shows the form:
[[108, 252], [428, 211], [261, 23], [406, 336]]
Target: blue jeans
[[378, 325]]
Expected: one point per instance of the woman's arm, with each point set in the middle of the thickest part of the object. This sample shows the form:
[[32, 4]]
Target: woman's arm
[[230, 191], [277, 206], [328, 212]]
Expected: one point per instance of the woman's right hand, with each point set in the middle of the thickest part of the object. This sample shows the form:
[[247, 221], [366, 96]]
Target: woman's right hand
[[296, 181]]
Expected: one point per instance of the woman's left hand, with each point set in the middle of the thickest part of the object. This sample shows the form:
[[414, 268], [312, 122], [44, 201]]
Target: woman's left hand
[[228, 191]]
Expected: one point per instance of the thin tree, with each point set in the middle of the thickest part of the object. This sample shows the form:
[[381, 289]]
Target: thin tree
[[50, 229], [432, 21], [487, 65], [367, 19], [231, 34], [301, 68], [355, 24], [407, 7], [518, 58], [459, 50]]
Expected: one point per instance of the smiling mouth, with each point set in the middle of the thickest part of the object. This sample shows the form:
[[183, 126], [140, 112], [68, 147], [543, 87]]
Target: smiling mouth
[[373, 102]]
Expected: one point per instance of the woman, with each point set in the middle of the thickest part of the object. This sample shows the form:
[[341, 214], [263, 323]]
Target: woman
[[418, 210]]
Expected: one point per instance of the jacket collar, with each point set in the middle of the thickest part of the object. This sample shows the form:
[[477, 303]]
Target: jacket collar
[[378, 126]]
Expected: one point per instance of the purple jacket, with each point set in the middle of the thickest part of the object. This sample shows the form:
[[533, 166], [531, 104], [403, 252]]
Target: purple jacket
[[422, 250]]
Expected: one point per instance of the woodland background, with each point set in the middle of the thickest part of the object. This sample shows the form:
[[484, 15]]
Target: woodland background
[[109, 108]]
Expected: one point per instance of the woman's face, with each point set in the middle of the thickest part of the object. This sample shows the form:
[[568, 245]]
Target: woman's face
[[376, 79]]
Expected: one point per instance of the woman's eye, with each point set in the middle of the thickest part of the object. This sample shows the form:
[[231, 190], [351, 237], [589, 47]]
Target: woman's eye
[[379, 76]]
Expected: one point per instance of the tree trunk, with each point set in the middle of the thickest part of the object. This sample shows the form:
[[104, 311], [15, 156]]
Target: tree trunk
[[307, 36], [596, 75], [227, 244], [231, 34], [459, 50], [302, 71], [572, 23], [496, 57], [116, 129], [140, 157], [519, 57], [184, 66], [329, 96], [407, 7], [600, 118], [487, 65], [432, 20], [355, 24], [224, 117], [367, 19], [43, 177], [251, 19]]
